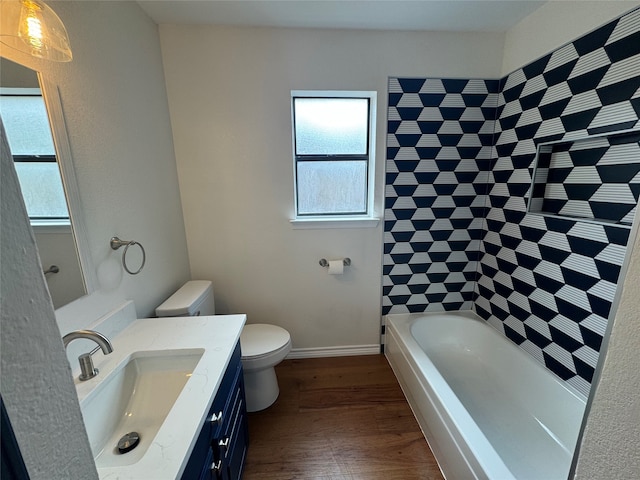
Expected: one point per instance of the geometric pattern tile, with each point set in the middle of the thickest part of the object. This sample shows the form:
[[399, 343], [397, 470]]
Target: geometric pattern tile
[[439, 147], [460, 160], [595, 178]]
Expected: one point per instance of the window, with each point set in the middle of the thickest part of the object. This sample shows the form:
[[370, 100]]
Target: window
[[333, 147], [26, 123]]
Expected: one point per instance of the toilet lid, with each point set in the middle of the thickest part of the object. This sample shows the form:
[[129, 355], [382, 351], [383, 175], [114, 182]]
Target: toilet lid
[[259, 339]]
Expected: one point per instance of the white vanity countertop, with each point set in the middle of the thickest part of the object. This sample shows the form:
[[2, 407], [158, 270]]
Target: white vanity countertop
[[217, 335]]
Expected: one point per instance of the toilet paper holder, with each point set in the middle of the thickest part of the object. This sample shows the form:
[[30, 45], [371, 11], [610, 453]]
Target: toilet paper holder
[[324, 263]]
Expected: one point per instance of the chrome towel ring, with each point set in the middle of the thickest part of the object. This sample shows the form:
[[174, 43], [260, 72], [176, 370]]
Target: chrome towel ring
[[116, 243]]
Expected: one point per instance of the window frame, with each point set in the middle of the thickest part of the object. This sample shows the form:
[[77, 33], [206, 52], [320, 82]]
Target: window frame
[[347, 219], [35, 220]]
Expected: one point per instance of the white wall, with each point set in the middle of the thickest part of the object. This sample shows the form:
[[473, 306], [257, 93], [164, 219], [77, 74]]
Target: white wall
[[115, 107], [555, 23], [56, 246], [114, 102], [229, 97]]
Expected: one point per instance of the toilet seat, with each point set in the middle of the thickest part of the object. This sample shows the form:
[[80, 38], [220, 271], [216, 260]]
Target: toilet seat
[[259, 340]]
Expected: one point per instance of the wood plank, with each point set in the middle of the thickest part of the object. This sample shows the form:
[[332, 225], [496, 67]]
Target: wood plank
[[338, 418]]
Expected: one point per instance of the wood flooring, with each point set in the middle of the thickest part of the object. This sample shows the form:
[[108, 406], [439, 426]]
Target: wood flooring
[[339, 418]]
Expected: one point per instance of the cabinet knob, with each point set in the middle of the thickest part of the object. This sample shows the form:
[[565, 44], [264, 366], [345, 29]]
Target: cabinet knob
[[216, 468], [216, 418], [224, 443]]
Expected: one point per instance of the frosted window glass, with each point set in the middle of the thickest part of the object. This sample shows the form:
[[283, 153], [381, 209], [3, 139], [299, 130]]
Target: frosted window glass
[[42, 189], [332, 187], [28, 133], [331, 126], [26, 124]]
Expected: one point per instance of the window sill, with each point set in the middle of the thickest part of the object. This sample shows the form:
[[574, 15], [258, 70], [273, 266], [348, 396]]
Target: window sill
[[333, 222], [51, 226]]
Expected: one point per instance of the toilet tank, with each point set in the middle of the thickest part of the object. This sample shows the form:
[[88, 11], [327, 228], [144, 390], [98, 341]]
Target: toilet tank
[[192, 299]]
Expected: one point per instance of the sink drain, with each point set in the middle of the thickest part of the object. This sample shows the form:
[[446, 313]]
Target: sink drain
[[128, 442]]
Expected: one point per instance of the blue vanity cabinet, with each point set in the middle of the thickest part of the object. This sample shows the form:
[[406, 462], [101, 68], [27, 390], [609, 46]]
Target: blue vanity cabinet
[[220, 450]]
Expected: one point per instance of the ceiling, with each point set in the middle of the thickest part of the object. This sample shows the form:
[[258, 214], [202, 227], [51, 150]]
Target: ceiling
[[434, 15]]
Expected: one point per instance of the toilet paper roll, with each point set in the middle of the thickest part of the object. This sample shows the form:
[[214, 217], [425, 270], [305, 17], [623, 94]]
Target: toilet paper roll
[[336, 267]]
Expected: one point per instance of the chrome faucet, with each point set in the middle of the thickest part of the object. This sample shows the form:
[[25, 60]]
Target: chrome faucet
[[87, 369]]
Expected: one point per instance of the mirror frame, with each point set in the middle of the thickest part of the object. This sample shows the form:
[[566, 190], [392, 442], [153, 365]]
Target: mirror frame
[[51, 96]]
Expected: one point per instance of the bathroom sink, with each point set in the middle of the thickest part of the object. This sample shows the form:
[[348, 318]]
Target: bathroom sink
[[136, 397]]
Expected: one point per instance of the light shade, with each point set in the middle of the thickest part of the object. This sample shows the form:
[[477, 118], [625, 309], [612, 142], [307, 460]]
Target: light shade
[[32, 27]]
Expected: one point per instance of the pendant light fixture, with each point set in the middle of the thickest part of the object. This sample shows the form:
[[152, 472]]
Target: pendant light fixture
[[33, 27]]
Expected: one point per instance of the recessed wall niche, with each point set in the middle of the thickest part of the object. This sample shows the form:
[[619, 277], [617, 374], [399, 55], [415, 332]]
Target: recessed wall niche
[[594, 179]]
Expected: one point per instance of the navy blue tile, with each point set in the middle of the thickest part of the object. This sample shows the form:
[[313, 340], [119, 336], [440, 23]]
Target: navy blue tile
[[474, 100], [513, 93], [554, 109], [405, 190], [518, 312], [599, 306], [454, 85], [432, 99], [585, 246], [449, 140], [468, 152], [608, 271], [556, 367], [619, 92], [537, 67], [411, 85], [394, 98], [451, 113], [591, 338], [407, 165], [429, 127], [579, 120], [583, 369], [400, 237], [417, 308], [512, 335], [424, 202], [535, 337], [571, 311], [614, 127], [409, 113], [507, 123], [578, 191], [532, 100], [514, 216], [392, 125], [527, 261], [578, 279], [594, 40], [624, 48], [408, 140], [427, 153], [588, 80], [559, 74], [559, 225], [622, 173], [610, 211]]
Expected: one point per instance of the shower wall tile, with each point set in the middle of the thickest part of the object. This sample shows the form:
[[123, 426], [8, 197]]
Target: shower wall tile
[[460, 161], [549, 282], [439, 146]]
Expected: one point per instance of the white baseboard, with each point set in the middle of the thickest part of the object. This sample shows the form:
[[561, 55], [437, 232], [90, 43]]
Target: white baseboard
[[342, 351]]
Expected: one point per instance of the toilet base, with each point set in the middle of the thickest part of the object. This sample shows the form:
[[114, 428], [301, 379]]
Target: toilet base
[[261, 388]]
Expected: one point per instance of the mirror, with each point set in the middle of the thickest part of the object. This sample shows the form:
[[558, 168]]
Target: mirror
[[44, 167]]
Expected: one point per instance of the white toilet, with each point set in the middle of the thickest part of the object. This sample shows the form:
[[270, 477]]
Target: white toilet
[[263, 346]]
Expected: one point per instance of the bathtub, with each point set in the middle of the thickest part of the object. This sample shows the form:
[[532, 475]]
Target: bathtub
[[487, 409]]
